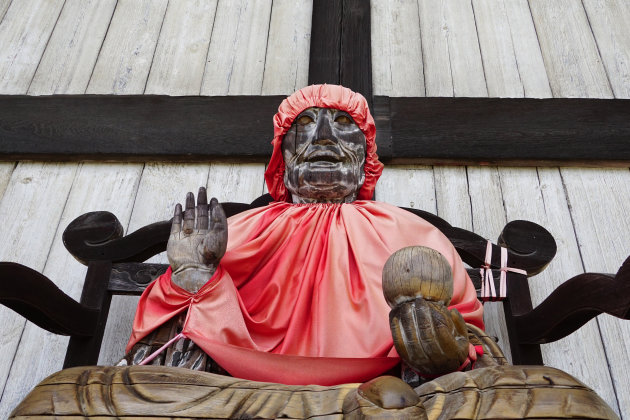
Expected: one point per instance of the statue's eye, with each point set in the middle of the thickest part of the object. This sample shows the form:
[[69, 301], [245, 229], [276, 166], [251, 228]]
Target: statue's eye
[[304, 120], [343, 119]]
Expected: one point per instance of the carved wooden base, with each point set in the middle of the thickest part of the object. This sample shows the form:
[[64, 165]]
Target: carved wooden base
[[161, 392]]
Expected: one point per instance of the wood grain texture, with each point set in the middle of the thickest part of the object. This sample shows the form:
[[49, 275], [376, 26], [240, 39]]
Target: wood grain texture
[[538, 195], [4, 5], [608, 20], [573, 63], [325, 50], [34, 201], [452, 60], [288, 46], [407, 186], [6, 169], [24, 32], [508, 130], [451, 193], [109, 187], [137, 127], [71, 52], [236, 57], [396, 48], [529, 59], [180, 56], [125, 58], [497, 49], [599, 207], [356, 57]]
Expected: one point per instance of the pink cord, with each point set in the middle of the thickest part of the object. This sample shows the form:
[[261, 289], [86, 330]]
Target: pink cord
[[488, 292], [161, 349]]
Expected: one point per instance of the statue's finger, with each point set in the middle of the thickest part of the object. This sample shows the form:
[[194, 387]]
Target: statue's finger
[[202, 209], [176, 227], [217, 237], [189, 214]]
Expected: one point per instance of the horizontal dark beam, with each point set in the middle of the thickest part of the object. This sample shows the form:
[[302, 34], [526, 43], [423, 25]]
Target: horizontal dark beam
[[493, 130], [590, 132], [104, 127]]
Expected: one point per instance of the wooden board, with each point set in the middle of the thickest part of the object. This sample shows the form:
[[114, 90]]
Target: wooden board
[[6, 169], [180, 56], [397, 68], [573, 63], [608, 20], [451, 191], [287, 57], [4, 5], [125, 59], [24, 32], [538, 196], [526, 49], [71, 52], [407, 186], [452, 60], [31, 208], [236, 58], [599, 209], [108, 187]]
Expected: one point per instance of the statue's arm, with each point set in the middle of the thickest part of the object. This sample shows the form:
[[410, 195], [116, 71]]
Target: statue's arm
[[197, 241]]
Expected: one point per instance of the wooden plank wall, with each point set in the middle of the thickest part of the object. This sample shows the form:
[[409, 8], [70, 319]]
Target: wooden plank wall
[[176, 47], [534, 49], [504, 48]]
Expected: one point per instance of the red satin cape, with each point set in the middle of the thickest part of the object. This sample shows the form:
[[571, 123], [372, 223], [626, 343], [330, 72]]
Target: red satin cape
[[297, 298]]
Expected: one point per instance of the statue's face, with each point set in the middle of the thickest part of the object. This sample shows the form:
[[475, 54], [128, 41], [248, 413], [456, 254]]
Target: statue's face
[[324, 154]]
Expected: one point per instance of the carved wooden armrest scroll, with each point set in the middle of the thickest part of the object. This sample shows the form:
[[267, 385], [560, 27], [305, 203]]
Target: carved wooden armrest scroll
[[38, 299], [574, 303]]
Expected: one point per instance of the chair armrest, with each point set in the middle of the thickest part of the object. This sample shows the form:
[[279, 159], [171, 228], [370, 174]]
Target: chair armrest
[[574, 303], [39, 300]]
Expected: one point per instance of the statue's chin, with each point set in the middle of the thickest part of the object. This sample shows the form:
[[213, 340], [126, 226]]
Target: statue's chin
[[323, 181]]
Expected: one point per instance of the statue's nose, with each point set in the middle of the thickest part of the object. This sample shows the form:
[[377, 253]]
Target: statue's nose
[[323, 132]]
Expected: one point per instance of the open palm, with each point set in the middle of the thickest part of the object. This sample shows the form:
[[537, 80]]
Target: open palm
[[198, 239]]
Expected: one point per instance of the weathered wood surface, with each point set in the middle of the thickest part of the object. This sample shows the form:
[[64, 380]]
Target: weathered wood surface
[[530, 392]]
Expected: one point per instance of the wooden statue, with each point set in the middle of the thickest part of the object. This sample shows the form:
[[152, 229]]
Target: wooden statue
[[280, 301]]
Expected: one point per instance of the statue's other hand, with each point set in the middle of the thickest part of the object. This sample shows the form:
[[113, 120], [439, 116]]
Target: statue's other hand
[[197, 242], [429, 337]]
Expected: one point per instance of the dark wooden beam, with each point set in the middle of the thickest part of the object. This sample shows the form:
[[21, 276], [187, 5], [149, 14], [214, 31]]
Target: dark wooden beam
[[74, 127], [514, 131], [325, 52], [592, 132], [341, 45]]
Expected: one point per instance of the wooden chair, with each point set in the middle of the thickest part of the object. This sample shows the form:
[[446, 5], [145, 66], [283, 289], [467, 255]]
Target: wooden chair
[[115, 267]]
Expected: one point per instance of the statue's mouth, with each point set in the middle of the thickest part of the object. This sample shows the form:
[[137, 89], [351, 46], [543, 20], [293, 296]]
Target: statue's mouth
[[323, 157]]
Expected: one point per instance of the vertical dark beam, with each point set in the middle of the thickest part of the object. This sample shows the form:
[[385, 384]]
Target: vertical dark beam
[[325, 53], [84, 351], [356, 48], [519, 302], [341, 45]]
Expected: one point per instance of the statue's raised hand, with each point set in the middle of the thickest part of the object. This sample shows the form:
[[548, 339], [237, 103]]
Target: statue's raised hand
[[198, 241]]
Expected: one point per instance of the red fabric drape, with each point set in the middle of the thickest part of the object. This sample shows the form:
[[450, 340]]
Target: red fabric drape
[[297, 298]]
